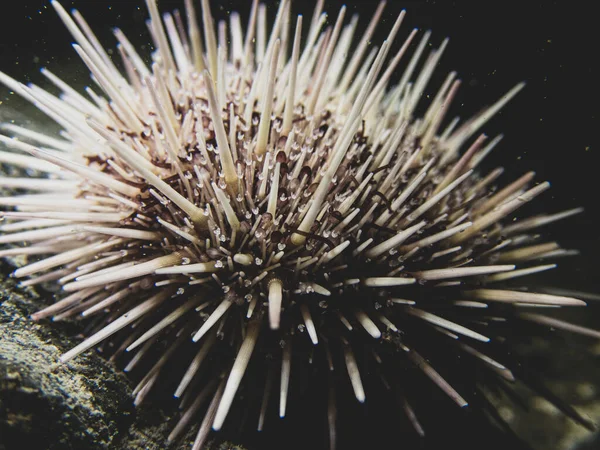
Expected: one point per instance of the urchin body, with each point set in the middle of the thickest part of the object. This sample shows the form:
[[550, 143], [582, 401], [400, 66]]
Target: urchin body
[[246, 195]]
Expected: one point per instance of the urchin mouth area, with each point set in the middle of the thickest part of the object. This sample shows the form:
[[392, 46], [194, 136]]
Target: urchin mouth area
[[234, 210]]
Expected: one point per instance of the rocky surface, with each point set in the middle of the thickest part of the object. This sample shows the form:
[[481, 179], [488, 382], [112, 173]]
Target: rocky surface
[[85, 404], [570, 369]]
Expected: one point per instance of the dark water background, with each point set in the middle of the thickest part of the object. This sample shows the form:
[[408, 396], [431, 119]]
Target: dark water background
[[551, 127]]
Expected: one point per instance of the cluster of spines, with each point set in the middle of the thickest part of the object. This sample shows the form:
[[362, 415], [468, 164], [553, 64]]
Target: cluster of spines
[[231, 176]]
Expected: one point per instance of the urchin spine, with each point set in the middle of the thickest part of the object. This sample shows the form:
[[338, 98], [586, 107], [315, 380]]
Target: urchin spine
[[231, 177]]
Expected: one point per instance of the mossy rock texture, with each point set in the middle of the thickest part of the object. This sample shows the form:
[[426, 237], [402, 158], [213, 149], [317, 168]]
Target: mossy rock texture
[[85, 404]]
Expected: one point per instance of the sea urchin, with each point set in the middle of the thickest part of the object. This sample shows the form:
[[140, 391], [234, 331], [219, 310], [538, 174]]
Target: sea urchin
[[266, 197]]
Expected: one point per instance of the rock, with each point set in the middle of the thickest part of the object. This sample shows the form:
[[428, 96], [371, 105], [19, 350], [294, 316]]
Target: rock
[[85, 404]]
